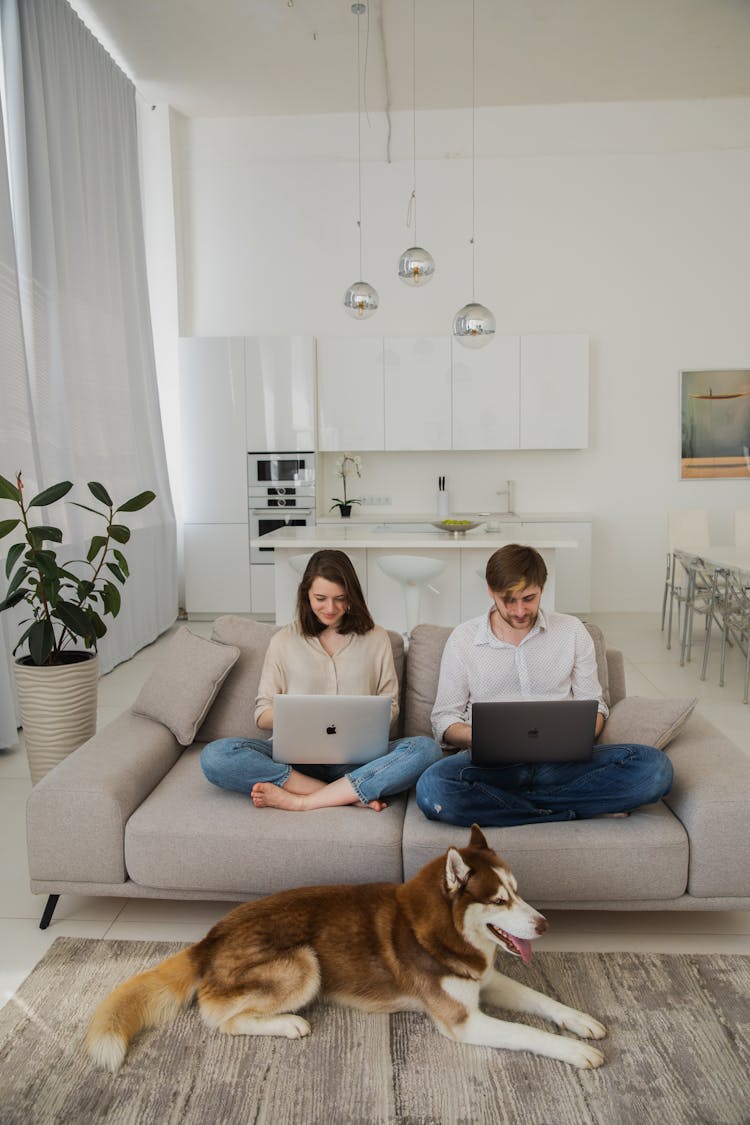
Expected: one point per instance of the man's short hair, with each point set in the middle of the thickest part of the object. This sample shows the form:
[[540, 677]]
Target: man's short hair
[[513, 568]]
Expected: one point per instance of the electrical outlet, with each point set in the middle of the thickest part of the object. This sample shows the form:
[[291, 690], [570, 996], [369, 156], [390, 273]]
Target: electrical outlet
[[376, 501]]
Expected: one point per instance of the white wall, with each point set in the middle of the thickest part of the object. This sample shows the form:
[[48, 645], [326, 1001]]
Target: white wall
[[626, 221]]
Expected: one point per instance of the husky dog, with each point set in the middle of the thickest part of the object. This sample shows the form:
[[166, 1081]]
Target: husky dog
[[425, 945]]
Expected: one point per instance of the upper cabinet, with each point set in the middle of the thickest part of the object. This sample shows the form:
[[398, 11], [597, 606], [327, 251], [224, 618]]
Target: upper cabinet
[[212, 429], [520, 392], [417, 372], [351, 408], [280, 377], [554, 391], [486, 395]]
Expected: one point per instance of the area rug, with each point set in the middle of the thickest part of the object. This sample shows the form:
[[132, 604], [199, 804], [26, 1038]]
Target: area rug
[[678, 1051]]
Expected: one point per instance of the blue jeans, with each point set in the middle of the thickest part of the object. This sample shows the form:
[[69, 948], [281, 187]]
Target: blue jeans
[[618, 779], [238, 763]]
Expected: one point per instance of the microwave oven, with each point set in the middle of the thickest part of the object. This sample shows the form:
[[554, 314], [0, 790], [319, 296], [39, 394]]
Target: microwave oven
[[289, 470]]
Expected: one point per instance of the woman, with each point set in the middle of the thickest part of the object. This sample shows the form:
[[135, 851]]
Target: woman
[[332, 648]]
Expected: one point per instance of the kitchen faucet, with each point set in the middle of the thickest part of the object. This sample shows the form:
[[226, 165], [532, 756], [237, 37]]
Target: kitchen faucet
[[507, 492]]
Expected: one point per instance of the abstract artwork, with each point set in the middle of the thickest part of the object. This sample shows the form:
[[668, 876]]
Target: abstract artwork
[[715, 410]]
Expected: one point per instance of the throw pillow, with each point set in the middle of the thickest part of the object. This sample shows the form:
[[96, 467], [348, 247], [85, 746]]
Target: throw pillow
[[650, 722], [180, 691], [232, 716]]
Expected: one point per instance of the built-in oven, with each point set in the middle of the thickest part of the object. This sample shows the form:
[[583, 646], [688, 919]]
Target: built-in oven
[[281, 494]]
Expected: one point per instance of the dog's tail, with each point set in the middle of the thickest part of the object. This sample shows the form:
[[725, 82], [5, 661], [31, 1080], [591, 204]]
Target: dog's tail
[[146, 1000]]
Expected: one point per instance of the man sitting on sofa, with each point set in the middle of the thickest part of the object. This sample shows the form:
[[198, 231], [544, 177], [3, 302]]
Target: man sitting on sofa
[[518, 651]]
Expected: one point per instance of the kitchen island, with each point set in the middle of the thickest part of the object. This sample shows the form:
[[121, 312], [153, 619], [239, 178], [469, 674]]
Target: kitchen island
[[457, 593]]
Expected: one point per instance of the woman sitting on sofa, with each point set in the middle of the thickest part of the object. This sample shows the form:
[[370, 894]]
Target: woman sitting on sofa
[[333, 647]]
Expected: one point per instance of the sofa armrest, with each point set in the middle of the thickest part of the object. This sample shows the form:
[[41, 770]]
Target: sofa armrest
[[76, 814], [711, 798]]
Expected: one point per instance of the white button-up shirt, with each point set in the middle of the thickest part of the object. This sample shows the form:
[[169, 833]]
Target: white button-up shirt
[[555, 660]]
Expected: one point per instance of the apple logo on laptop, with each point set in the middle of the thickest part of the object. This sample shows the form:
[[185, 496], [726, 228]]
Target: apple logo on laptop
[[331, 729], [534, 732]]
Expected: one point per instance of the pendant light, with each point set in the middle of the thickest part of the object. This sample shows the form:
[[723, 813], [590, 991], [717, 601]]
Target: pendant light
[[416, 266], [360, 299], [474, 324]]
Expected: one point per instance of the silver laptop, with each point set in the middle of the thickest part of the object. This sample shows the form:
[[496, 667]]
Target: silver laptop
[[530, 731], [330, 729]]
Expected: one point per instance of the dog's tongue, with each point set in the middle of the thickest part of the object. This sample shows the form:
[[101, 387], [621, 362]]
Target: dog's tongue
[[523, 947]]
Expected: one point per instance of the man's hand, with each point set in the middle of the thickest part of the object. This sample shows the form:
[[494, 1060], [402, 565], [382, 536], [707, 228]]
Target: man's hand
[[459, 735]]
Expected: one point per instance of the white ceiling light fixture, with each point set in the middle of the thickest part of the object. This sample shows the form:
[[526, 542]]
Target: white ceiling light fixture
[[360, 299], [416, 266], [474, 324]]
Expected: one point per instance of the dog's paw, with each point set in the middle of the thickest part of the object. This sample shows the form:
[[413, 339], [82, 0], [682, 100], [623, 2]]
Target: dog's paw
[[583, 1025], [294, 1027], [585, 1056]]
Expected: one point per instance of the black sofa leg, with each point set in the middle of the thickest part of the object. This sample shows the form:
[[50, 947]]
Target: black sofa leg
[[49, 910]]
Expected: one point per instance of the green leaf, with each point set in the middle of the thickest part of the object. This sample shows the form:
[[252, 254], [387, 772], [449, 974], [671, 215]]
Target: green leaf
[[111, 599], [13, 555], [74, 618], [84, 589], [97, 625], [99, 492], [11, 600], [46, 566], [122, 562], [39, 534], [17, 579], [119, 532], [6, 526], [97, 544], [41, 639], [117, 572], [142, 500], [49, 495], [8, 491], [86, 508]]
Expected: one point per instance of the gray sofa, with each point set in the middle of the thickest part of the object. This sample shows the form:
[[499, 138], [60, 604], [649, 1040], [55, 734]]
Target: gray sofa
[[130, 814]]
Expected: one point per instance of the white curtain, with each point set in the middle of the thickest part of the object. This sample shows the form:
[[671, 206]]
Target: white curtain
[[78, 395]]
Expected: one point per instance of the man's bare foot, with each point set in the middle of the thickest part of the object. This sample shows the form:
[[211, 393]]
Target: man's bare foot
[[613, 815], [265, 794]]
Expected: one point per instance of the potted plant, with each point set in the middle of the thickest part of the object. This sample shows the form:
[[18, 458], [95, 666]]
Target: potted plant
[[343, 469], [57, 672]]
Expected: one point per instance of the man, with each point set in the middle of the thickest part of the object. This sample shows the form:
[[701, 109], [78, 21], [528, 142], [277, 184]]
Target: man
[[517, 651]]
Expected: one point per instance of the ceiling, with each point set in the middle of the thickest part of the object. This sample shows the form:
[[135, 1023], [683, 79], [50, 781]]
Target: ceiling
[[279, 57]]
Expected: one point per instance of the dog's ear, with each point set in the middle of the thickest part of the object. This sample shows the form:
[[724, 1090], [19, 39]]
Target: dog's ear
[[457, 873], [478, 839]]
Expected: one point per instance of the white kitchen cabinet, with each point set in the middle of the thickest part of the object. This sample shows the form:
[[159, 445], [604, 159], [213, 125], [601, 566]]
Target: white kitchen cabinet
[[217, 568], [554, 402], [263, 589], [212, 429], [486, 395], [280, 400], [350, 393], [417, 392]]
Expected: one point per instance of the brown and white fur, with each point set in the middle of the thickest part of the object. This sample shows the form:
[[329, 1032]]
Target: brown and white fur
[[425, 945]]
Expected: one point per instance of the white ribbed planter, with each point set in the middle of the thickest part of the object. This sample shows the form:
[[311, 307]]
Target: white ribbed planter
[[58, 710]]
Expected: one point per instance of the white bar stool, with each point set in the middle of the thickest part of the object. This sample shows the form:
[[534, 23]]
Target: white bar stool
[[413, 573]]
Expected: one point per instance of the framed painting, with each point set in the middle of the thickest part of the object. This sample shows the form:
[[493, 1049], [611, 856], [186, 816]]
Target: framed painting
[[715, 416]]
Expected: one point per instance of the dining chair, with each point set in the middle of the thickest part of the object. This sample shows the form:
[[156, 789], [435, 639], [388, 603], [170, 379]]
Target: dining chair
[[695, 593], [687, 529], [732, 603]]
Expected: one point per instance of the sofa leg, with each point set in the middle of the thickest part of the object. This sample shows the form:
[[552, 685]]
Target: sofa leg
[[49, 910]]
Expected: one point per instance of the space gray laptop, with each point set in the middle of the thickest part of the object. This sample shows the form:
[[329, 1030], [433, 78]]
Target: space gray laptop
[[330, 729], [529, 731]]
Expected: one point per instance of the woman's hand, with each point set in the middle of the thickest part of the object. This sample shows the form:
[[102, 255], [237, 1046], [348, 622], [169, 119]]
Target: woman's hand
[[265, 719]]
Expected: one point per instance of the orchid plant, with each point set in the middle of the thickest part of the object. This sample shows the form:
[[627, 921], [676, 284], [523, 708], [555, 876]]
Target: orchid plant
[[347, 466]]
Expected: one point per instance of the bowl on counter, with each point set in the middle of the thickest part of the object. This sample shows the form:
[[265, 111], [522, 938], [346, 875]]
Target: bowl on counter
[[456, 527]]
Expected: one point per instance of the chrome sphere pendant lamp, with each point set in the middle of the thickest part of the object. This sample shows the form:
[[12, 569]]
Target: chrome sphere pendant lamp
[[360, 299], [474, 324], [416, 265]]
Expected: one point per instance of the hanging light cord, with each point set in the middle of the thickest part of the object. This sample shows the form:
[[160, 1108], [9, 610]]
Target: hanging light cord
[[359, 146], [412, 210], [474, 150]]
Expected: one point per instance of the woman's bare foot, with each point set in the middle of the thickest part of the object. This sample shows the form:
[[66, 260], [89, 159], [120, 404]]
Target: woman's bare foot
[[377, 806], [265, 794]]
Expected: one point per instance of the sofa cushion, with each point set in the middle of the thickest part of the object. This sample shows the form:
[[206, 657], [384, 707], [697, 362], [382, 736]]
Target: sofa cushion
[[189, 835], [232, 713], [652, 722], [182, 687], [640, 857], [423, 669]]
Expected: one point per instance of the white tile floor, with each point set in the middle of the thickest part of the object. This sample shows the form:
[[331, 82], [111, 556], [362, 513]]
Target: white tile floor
[[651, 670]]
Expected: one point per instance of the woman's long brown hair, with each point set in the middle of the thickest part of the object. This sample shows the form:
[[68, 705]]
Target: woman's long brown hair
[[334, 566]]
